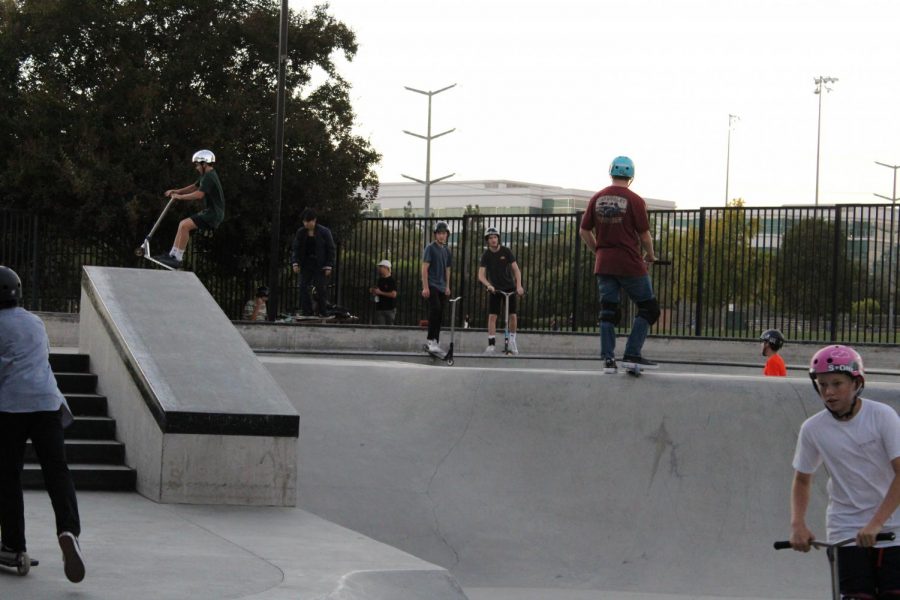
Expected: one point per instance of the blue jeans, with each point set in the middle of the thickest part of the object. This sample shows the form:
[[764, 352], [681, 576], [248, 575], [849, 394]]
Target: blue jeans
[[639, 289]]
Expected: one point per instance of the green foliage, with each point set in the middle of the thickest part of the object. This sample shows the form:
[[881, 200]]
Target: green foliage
[[106, 100], [807, 278]]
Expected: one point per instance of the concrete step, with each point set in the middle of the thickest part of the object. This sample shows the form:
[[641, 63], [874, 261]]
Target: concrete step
[[86, 477], [87, 405], [76, 383], [92, 428], [109, 452], [69, 363]]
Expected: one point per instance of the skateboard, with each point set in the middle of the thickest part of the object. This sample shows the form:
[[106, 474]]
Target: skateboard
[[22, 563], [832, 554], [314, 320], [632, 369]]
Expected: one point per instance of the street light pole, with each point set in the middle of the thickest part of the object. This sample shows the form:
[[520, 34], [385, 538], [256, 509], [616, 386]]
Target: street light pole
[[891, 265], [731, 120], [821, 82], [428, 137], [277, 176]]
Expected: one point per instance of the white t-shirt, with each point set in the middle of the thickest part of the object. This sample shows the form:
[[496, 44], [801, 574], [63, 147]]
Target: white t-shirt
[[857, 454]]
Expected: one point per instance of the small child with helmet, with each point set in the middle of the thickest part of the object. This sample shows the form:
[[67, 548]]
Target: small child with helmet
[[858, 440], [772, 342]]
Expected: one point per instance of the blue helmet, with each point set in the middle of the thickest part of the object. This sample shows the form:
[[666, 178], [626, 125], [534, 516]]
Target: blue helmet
[[622, 167]]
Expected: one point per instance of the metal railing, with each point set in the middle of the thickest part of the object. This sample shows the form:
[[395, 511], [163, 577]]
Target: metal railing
[[818, 274]]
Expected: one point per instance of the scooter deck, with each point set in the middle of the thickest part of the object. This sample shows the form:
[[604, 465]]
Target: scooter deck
[[164, 266]]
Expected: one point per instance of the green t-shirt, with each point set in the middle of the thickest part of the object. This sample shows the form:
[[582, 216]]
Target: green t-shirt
[[214, 210]]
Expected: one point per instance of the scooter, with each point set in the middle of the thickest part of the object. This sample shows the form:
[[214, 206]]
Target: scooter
[[506, 296], [832, 554], [144, 248], [448, 355]]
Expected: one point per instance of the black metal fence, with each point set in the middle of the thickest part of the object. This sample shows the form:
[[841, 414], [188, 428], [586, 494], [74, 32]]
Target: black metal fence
[[818, 274]]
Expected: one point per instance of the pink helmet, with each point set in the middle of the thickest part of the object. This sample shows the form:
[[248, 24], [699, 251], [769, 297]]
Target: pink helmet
[[836, 359]]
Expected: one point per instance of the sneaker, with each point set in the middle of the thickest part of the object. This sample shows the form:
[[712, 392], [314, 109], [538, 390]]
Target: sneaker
[[512, 346], [433, 347], [169, 261], [73, 562], [640, 361], [492, 349], [8, 555], [610, 366]]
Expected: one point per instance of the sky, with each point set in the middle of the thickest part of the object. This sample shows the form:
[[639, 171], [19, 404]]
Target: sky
[[549, 92]]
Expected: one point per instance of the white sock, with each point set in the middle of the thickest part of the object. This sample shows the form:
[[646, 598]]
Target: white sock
[[178, 254], [512, 335]]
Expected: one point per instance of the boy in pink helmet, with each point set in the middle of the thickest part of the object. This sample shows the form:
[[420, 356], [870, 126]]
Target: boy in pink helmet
[[858, 440]]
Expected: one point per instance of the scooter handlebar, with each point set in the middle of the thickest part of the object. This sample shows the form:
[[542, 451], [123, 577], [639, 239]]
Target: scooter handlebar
[[881, 537]]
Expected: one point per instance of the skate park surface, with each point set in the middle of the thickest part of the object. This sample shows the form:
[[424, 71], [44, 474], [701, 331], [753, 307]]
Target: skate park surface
[[523, 480]]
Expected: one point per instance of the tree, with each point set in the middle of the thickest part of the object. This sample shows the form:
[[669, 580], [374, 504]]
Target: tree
[[106, 100], [805, 268]]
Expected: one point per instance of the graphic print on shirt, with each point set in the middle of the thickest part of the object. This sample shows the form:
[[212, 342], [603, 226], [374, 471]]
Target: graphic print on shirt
[[610, 209]]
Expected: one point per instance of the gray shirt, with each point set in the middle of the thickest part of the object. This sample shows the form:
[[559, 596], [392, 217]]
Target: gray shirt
[[26, 382], [439, 260]]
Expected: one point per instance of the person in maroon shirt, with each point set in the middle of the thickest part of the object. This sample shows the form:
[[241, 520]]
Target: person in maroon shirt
[[616, 229]]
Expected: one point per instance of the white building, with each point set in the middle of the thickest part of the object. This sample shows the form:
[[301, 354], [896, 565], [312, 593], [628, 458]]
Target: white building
[[491, 197]]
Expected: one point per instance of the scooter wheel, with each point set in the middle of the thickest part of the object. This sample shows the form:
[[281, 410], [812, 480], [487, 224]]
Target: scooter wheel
[[139, 252], [23, 564], [450, 362]]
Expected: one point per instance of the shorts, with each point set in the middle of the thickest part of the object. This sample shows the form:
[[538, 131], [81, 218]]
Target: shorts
[[205, 220], [869, 571], [496, 301]]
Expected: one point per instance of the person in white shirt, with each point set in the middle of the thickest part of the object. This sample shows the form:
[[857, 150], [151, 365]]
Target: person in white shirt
[[858, 440]]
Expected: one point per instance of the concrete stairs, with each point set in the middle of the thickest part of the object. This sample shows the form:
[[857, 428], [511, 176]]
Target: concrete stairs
[[96, 459]]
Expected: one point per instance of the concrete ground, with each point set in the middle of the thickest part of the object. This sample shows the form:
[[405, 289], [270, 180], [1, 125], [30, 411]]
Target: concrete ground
[[491, 480], [138, 549]]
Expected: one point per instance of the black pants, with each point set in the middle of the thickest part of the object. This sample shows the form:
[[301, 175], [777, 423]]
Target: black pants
[[869, 572], [313, 276], [46, 434], [437, 300]]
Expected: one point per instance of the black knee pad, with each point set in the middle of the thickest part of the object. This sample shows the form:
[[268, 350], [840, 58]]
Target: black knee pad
[[649, 310], [610, 312]]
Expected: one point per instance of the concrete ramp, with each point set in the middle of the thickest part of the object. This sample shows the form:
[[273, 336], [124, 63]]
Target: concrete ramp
[[560, 484], [202, 419]]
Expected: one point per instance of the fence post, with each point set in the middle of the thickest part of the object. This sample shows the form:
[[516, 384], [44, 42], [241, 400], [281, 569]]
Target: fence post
[[576, 271], [464, 263], [701, 243], [835, 268]]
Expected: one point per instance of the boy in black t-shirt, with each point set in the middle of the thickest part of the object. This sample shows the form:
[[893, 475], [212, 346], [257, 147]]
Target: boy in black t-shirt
[[499, 271], [385, 295]]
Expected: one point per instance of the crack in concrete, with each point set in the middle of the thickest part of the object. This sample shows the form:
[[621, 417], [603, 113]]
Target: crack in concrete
[[437, 524]]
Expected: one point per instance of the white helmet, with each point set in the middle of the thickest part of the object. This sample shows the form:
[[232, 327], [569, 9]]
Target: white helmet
[[203, 156]]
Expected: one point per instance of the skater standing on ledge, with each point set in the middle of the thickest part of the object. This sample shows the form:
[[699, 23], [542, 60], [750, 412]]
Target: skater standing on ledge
[[207, 188], [31, 406], [616, 229], [436, 282], [499, 272], [858, 440], [313, 255]]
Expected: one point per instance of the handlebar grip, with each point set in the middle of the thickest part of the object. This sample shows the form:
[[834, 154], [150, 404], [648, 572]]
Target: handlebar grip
[[782, 545], [887, 536]]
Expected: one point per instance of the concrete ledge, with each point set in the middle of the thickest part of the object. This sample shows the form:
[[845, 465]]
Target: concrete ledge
[[202, 420]]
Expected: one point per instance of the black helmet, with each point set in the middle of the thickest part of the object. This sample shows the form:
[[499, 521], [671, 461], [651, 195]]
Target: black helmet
[[441, 226], [10, 286], [262, 291], [774, 338]]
